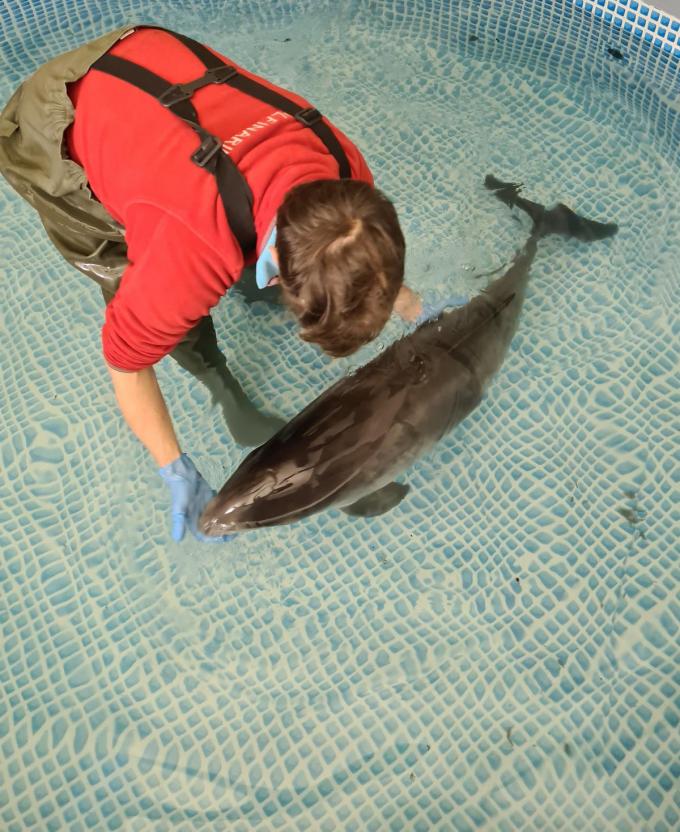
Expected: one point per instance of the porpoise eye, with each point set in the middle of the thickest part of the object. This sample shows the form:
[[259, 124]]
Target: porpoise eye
[[419, 367]]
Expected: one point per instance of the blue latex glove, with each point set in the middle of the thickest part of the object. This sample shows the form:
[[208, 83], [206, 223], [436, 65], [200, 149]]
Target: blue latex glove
[[434, 310], [190, 494]]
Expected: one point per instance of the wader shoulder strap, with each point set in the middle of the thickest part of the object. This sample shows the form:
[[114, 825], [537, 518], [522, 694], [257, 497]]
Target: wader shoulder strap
[[234, 191], [309, 116]]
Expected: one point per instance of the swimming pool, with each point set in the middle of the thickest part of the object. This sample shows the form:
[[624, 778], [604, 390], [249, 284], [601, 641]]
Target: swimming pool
[[500, 653]]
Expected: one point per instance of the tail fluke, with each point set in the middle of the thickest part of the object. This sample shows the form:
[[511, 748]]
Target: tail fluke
[[562, 220], [558, 220]]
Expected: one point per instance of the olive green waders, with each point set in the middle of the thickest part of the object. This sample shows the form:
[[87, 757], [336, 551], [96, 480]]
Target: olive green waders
[[34, 161]]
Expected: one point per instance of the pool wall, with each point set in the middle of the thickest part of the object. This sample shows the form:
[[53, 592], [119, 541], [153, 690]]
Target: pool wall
[[627, 48]]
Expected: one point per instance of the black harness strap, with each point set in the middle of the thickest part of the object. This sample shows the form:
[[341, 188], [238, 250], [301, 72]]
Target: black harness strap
[[147, 81], [233, 188], [308, 116], [234, 191]]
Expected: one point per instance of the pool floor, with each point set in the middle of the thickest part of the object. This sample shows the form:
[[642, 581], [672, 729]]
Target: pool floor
[[497, 653]]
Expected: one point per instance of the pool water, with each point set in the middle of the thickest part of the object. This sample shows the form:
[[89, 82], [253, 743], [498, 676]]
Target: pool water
[[499, 652]]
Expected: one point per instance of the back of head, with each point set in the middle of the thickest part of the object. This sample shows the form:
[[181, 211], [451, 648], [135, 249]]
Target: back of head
[[341, 261]]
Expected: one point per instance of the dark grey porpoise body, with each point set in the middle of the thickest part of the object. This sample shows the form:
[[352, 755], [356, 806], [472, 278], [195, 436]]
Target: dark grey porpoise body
[[346, 447]]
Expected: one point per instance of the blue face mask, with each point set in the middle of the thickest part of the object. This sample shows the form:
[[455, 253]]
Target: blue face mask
[[266, 267]]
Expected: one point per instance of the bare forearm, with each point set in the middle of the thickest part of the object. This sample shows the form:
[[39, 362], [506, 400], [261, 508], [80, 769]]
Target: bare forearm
[[143, 407]]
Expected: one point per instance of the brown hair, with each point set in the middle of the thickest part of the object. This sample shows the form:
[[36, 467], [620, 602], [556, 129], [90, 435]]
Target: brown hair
[[341, 261]]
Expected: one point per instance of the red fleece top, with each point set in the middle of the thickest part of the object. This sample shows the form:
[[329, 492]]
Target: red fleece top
[[136, 155]]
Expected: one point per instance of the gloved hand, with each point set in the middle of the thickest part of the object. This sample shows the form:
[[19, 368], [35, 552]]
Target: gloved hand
[[190, 494], [433, 310]]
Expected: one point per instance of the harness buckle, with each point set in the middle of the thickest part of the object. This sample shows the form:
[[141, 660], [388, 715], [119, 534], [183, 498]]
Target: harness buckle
[[308, 116], [183, 92], [220, 74], [174, 94], [210, 145]]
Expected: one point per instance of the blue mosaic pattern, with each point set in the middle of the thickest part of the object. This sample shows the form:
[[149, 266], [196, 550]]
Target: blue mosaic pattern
[[652, 26], [500, 653]]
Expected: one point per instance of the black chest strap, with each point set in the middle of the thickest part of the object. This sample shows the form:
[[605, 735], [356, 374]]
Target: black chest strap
[[233, 188]]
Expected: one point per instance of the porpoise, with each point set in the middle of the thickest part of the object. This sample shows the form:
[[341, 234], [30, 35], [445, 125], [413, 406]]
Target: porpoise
[[345, 448]]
